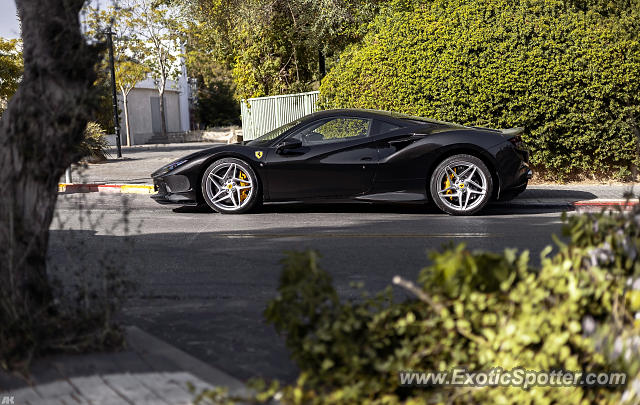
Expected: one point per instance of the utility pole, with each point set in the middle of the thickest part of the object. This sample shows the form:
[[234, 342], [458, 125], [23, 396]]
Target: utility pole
[[116, 121], [321, 64]]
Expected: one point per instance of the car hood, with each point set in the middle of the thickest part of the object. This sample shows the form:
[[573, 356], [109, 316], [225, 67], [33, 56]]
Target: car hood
[[204, 152], [190, 157]]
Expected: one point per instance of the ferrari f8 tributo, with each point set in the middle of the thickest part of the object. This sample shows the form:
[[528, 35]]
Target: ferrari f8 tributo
[[353, 155]]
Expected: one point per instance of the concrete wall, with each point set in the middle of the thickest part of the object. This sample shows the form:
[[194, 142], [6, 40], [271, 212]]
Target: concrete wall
[[231, 134], [141, 115]]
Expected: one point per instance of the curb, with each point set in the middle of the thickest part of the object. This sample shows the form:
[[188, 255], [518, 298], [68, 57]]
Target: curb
[[70, 188], [152, 347], [603, 202], [584, 205]]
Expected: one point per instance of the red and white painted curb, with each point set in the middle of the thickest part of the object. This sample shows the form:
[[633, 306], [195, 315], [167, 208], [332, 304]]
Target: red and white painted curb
[[69, 188], [599, 204]]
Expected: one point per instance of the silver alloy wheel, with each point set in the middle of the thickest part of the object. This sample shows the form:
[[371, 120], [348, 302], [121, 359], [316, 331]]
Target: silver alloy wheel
[[229, 187], [462, 186]]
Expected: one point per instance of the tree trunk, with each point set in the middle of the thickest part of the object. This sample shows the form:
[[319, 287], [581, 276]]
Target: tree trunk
[[39, 133], [125, 105], [162, 113]]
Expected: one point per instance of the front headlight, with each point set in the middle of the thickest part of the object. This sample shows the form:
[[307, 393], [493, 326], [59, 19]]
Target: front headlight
[[168, 168]]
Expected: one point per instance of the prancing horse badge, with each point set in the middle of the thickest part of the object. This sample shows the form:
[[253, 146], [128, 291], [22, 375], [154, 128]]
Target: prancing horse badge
[[258, 154]]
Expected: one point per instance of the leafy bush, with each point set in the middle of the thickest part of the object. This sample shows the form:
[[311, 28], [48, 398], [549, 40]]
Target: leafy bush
[[569, 73], [473, 309], [94, 145]]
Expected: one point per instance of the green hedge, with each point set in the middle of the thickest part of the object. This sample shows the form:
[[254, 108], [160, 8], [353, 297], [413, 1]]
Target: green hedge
[[570, 77]]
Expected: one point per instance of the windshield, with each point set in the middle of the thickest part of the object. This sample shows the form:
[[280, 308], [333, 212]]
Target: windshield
[[271, 135]]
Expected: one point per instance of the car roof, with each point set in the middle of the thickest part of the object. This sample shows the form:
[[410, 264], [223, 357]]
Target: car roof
[[384, 115]]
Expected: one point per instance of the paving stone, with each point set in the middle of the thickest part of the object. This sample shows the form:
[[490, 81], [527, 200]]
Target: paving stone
[[63, 400], [170, 392], [55, 389], [163, 377], [129, 387], [22, 396], [96, 391]]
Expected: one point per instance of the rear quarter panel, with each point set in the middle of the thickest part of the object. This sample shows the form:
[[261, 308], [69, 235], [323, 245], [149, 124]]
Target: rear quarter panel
[[409, 166]]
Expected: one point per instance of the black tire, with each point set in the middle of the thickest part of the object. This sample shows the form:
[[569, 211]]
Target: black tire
[[236, 202], [461, 195]]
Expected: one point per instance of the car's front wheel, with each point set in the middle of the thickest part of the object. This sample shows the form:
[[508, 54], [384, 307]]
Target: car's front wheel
[[230, 186], [461, 185]]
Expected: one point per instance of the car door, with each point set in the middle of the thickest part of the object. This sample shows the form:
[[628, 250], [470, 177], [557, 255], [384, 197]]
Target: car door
[[334, 159]]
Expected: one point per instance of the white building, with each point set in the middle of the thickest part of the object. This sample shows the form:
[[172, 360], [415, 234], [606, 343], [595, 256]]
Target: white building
[[145, 123]]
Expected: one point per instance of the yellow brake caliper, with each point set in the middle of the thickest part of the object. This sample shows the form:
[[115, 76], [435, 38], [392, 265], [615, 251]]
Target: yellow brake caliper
[[245, 192], [447, 184]]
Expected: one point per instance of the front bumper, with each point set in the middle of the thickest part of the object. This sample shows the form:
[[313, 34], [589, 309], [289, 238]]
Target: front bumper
[[174, 189]]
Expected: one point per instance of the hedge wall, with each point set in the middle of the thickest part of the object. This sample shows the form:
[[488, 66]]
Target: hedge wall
[[570, 77]]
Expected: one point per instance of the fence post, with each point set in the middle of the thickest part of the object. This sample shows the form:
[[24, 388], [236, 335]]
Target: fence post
[[277, 105]]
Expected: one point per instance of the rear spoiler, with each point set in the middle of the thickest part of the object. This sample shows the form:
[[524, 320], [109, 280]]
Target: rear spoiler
[[511, 132]]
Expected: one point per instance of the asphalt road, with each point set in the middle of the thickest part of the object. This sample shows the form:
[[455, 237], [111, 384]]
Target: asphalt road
[[203, 279]]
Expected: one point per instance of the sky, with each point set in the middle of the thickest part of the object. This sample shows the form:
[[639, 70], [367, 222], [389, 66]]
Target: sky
[[9, 27]]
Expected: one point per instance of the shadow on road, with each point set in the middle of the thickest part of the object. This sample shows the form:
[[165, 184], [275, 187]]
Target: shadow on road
[[569, 195], [493, 209], [205, 280]]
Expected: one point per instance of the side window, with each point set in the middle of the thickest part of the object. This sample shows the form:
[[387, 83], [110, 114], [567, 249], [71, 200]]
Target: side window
[[382, 127], [335, 130]]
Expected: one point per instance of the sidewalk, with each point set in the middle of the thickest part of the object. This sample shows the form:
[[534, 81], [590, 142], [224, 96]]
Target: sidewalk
[[138, 162], [149, 371], [136, 165]]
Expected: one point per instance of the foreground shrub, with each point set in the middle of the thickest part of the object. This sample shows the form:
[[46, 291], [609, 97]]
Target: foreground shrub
[[570, 77], [354, 352]]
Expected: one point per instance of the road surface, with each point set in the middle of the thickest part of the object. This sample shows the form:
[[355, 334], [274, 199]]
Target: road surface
[[203, 279]]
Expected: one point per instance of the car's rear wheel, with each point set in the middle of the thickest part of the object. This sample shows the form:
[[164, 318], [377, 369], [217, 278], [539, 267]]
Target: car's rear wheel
[[230, 186], [461, 185]]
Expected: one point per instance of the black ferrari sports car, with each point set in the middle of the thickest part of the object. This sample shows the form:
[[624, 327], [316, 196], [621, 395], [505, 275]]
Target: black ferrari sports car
[[353, 155]]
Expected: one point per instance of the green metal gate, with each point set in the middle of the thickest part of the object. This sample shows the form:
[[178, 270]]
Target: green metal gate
[[262, 114]]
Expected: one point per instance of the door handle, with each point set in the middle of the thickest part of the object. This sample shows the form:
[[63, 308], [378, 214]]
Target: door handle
[[401, 141], [367, 158]]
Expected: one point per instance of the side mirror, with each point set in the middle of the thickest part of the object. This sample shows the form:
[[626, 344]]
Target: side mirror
[[288, 144]]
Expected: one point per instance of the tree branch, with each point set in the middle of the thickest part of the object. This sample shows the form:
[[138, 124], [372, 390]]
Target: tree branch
[[418, 292]]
